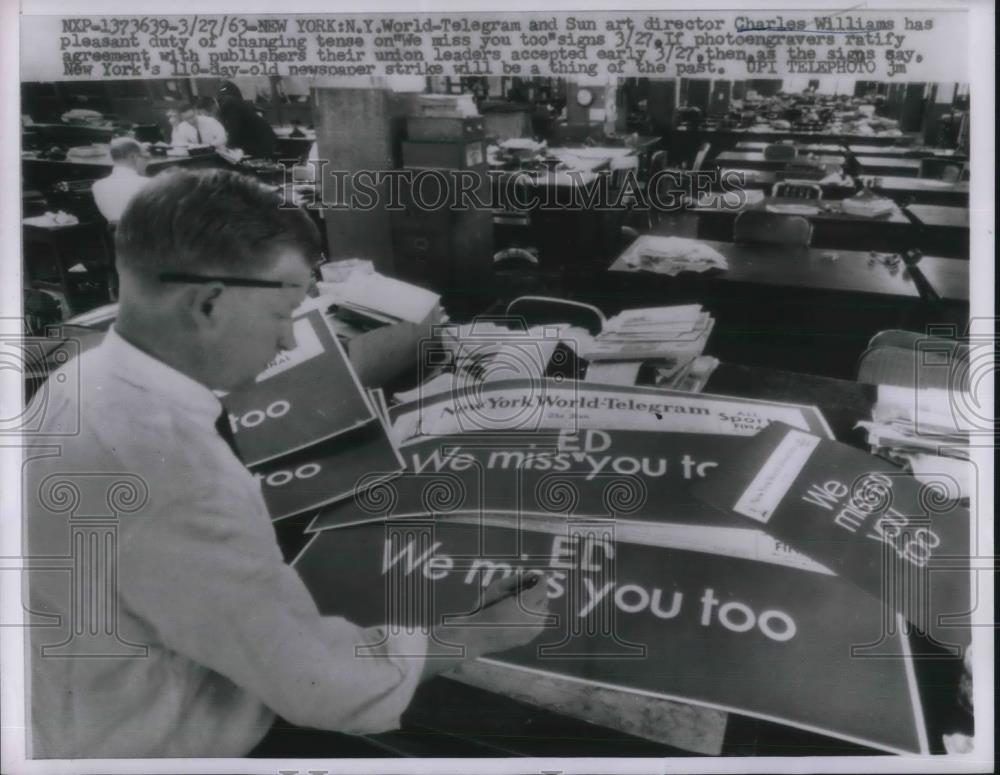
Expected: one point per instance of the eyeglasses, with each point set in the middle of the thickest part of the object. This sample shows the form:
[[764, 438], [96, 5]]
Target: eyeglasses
[[241, 282]]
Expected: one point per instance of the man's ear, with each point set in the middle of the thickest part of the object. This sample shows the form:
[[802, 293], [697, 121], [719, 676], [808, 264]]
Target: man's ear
[[203, 304]]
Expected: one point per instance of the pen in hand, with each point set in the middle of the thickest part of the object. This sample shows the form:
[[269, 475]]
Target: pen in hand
[[525, 583]]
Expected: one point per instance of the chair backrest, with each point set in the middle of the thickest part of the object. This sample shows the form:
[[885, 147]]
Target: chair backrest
[[539, 310], [657, 162], [897, 357], [942, 169], [699, 158], [771, 228], [797, 189], [620, 167], [780, 152]]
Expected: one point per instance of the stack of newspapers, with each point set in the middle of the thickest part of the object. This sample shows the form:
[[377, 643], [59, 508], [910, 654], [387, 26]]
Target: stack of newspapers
[[672, 338], [926, 431]]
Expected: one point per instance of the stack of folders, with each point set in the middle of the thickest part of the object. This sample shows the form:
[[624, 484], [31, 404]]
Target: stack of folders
[[927, 431]]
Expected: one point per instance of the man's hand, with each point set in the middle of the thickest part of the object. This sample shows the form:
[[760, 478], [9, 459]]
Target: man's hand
[[506, 619]]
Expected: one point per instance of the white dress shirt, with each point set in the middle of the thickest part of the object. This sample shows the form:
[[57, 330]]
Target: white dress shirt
[[114, 192], [183, 134], [212, 132], [201, 632]]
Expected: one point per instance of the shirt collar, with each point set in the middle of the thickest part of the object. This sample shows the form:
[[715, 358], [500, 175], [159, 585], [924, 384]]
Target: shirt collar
[[142, 370], [119, 171]]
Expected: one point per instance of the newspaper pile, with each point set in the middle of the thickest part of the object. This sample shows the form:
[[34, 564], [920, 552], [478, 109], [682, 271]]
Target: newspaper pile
[[673, 255], [924, 431], [676, 335]]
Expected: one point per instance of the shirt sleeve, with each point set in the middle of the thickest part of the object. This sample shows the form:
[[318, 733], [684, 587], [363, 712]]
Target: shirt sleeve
[[214, 586]]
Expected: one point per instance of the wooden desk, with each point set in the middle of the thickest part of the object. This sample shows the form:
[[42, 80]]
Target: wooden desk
[[905, 190], [756, 161], [790, 307], [884, 165], [832, 227], [949, 277], [945, 230], [792, 267]]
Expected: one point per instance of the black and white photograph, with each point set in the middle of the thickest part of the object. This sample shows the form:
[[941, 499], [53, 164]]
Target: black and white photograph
[[497, 388]]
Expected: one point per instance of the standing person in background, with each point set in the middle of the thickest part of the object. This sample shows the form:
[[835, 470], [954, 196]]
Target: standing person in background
[[244, 127]]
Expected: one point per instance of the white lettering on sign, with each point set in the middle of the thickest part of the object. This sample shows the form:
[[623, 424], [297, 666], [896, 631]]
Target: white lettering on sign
[[776, 476], [307, 346], [255, 417], [283, 477]]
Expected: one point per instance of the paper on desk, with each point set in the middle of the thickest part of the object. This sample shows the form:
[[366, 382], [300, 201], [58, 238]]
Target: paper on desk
[[673, 255], [388, 296], [614, 372], [928, 409]]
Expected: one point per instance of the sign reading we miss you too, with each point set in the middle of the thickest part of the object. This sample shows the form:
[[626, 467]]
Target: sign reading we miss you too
[[856, 43], [710, 623]]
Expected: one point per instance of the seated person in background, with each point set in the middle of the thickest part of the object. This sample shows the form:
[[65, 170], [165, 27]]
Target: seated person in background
[[226, 633], [127, 178], [245, 128], [181, 132], [207, 129]]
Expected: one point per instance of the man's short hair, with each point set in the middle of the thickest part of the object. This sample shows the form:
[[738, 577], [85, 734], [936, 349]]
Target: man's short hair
[[123, 148], [205, 103], [185, 107], [209, 221]]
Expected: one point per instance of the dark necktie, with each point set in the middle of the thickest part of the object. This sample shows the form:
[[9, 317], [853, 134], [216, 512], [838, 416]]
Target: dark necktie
[[225, 430]]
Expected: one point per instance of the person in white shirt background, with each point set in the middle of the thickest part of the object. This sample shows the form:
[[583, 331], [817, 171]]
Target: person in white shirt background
[[113, 193], [203, 632], [208, 130], [182, 133]]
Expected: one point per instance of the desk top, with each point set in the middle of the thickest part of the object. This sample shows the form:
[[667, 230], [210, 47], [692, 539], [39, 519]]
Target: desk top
[[758, 147], [886, 162], [828, 210], [736, 158], [940, 217], [910, 153], [792, 266], [949, 277], [899, 184]]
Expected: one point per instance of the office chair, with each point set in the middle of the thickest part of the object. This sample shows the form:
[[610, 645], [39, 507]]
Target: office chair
[[759, 226], [896, 357], [942, 169], [699, 158], [797, 189], [541, 310]]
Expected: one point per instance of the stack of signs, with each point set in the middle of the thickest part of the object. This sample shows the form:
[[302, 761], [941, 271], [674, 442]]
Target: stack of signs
[[903, 541], [306, 429], [653, 591]]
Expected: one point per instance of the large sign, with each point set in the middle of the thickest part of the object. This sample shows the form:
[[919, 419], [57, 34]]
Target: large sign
[[305, 396], [721, 620]]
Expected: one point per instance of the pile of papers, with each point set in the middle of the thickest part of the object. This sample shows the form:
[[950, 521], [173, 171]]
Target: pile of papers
[[673, 255], [925, 431], [447, 106], [369, 300], [676, 335]]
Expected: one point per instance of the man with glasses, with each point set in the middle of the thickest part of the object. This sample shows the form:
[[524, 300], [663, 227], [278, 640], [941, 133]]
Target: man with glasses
[[195, 633]]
